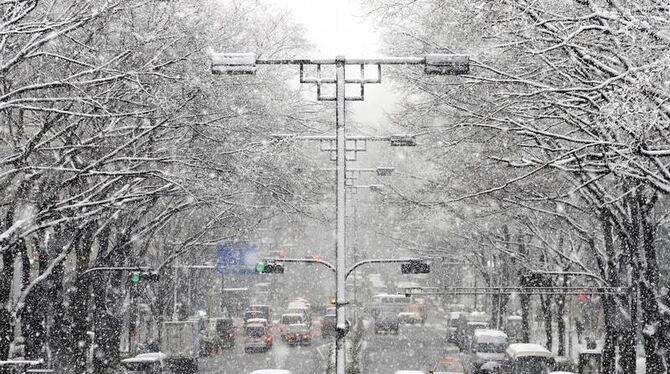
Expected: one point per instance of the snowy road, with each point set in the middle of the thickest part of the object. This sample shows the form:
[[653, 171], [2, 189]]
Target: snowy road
[[416, 347], [299, 360]]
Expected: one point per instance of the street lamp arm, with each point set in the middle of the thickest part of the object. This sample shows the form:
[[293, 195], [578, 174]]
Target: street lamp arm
[[380, 261], [301, 260], [350, 61], [116, 268], [571, 273]]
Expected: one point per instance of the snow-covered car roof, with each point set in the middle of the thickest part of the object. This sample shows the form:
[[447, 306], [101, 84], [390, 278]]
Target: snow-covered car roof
[[146, 357], [490, 335], [257, 320], [514, 318], [270, 371], [528, 349]]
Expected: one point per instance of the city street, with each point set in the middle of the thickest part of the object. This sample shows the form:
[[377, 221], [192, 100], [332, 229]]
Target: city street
[[416, 347], [299, 360]]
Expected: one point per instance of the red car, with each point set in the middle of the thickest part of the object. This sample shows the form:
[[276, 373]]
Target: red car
[[449, 365]]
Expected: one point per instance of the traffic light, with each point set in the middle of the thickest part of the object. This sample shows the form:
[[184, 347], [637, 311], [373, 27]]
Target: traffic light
[[146, 276], [415, 267], [269, 268]]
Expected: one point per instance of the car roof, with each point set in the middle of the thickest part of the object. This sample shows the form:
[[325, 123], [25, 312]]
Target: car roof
[[490, 333], [271, 371], [256, 325], [528, 349], [292, 315], [146, 357], [256, 320]]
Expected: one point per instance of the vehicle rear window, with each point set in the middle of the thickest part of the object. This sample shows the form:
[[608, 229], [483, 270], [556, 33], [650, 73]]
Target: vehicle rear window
[[255, 331], [289, 320]]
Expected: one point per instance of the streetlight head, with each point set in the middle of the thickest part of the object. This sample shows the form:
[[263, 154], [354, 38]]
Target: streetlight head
[[447, 64], [376, 187], [403, 140], [234, 63], [384, 171]]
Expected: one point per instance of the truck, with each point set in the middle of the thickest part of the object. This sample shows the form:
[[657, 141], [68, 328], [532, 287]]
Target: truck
[[180, 341]]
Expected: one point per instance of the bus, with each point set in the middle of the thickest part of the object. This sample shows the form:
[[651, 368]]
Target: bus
[[399, 303]]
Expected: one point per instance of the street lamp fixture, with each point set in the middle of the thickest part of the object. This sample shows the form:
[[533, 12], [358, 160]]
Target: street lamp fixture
[[403, 140], [234, 63], [384, 171]]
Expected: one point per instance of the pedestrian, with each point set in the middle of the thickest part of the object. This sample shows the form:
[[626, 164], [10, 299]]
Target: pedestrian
[[579, 326]]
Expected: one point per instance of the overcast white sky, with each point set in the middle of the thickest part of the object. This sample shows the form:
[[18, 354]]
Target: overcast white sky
[[336, 26], [340, 27]]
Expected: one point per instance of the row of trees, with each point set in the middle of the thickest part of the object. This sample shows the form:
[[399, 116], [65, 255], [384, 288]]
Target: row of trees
[[554, 151], [118, 148]]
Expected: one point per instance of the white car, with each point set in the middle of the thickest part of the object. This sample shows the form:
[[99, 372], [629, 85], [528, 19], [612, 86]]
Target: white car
[[270, 371]]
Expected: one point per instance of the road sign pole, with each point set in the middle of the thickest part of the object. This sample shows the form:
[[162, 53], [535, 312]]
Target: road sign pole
[[340, 250]]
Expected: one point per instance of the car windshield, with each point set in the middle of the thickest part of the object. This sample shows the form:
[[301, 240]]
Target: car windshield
[[491, 347], [290, 320], [254, 331]]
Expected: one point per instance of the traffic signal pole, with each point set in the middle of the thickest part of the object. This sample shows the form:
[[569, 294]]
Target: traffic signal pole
[[245, 64], [340, 252]]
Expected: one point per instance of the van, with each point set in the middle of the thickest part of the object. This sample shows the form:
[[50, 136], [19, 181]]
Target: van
[[144, 363], [486, 346], [528, 358]]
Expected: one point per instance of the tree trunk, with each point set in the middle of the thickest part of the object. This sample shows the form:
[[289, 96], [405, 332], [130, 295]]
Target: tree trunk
[[649, 300], [560, 315], [79, 302], [545, 302], [525, 311], [609, 306]]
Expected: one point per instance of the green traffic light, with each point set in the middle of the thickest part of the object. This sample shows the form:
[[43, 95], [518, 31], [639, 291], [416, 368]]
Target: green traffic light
[[260, 267], [135, 278]]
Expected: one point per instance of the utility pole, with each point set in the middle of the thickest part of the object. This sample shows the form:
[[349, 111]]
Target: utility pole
[[245, 64]]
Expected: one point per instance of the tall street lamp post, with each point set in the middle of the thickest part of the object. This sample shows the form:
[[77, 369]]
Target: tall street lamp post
[[245, 64]]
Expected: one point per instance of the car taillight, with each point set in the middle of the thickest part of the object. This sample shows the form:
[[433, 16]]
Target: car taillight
[[307, 336], [268, 338]]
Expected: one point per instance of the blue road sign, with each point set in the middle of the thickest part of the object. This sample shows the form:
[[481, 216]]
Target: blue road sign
[[234, 257]]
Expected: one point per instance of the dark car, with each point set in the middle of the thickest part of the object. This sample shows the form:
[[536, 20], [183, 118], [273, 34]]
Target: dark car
[[387, 322], [329, 325], [225, 331]]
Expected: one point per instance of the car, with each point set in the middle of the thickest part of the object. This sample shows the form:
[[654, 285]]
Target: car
[[487, 346], [449, 365], [249, 314], [262, 321], [225, 332], [289, 319], [144, 363], [298, 333], [265, 309], [257, 337], [528, 358], [270, 371], [409, 317], [387, 322], [328, 325], [409, 372], [452, 323]]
